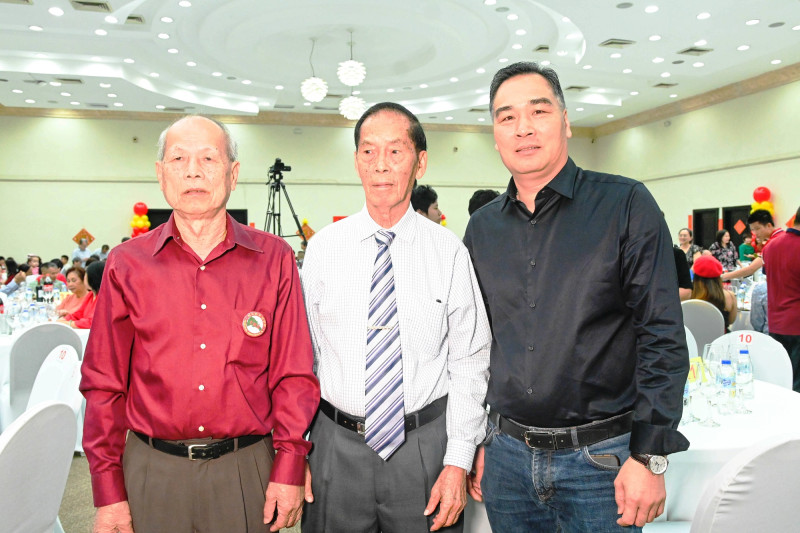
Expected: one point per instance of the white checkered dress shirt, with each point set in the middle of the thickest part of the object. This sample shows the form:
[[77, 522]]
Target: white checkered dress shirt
[[443, 326]]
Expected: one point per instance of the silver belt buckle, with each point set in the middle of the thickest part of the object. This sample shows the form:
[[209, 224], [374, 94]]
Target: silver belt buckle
[[551, 434], [361, 428], [191, 448]]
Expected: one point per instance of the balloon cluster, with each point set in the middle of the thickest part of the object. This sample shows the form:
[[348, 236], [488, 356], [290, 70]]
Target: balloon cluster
[[761, 196], [140, 223], [443, 221]]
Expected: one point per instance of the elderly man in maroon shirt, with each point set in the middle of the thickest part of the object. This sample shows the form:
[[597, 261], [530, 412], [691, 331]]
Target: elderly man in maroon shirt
[[200, 354]]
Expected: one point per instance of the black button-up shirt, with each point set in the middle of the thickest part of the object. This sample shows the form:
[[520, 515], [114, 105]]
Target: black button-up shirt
[[582, 297]]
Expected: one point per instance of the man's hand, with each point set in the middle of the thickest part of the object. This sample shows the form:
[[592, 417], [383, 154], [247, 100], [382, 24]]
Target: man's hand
[[287, 500], [474, 478], [309, 495], [20, 277], [450, 494], [640, 494], [114, 518]]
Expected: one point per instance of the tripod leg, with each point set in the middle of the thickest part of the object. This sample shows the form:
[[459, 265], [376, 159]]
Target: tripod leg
[[294, 216]]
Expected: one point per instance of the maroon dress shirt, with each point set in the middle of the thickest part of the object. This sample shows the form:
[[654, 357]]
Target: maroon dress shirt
[[184, 348]]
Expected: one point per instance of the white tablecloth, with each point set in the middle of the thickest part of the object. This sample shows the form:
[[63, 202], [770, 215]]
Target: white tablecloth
[[775, 411]]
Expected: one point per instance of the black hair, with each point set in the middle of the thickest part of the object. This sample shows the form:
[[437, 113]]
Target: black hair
[[762, 216], [45, 266], [415, 131], [422, 197], [480, 198], [94, 274], [11, 267], [57, 262], [720, 234], [520, 69]]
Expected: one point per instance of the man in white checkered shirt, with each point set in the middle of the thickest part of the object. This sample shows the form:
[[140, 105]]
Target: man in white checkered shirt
[[444, 341]]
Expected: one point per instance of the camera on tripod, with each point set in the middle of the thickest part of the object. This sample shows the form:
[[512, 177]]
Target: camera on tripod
[[278, 168]]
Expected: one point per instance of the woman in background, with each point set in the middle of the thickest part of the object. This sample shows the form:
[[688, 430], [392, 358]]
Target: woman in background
[[691, 250], [724, 250], [77, 289], [708, 286], [82, 318]]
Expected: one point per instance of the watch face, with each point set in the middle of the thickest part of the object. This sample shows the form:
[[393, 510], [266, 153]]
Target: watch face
[[658, 464]]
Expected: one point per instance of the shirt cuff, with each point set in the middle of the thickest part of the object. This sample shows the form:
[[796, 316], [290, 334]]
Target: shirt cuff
[[288, 469], [460, 454], [108, 487], [656, 440]]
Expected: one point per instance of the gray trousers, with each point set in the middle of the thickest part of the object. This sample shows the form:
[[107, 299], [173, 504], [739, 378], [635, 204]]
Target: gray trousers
[[355, 491], [169, 493]]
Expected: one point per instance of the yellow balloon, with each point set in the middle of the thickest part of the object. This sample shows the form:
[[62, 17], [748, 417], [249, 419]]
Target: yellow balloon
[[133, 223], [145, 218], [146, 223], [140, 223], [767, 205]]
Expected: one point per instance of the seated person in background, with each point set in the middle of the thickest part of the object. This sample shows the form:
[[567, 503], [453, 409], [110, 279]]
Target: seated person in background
[[758, 308], [34, 261], [78, 292], [82, 318], [52, 271], [82, 251], [92, 258], [691, 250], [480, 198], [684, 276], [724, 250], [708, 287], [425, 201], [746, 250], [102, 253], [16, 277]]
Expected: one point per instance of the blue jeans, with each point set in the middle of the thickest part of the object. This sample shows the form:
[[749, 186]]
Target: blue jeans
[[529, 490]]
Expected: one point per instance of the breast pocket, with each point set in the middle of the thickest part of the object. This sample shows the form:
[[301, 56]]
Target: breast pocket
[[250, 337], [429, 330]]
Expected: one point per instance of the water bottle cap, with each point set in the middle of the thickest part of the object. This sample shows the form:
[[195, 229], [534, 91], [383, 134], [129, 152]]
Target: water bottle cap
[[744, 350], [726, 361]]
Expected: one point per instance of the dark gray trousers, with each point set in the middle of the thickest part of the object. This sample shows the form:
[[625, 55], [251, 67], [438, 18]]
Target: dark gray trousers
[[169, 493], [355, 491]]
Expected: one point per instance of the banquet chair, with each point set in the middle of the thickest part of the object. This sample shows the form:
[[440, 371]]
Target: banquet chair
[[770, 360], [58, 379], [25, 358], [691, 343], [35, 458], [704, 320]]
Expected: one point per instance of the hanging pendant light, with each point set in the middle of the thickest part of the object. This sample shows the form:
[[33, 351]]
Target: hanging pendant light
[[352, 107], [313, 89], [351, 72]]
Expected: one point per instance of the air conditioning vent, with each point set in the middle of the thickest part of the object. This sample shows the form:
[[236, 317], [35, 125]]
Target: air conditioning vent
[[98, 106], [325, 108], [616, 43], [695, 51], [97, 7], [18, 2], [69, 81], [35, 82], [283, 106], [576, 88], [479, 110], [543, 48], [174, 110], [664, 85], [134, 19]]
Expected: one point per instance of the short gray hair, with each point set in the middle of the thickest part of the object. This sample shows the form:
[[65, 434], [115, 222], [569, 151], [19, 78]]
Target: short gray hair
[[231, 150], [520, 69]]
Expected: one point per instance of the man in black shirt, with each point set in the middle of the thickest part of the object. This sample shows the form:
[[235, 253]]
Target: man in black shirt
[[589, 354]]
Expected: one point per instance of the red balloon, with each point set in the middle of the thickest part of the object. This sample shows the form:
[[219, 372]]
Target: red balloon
[[761, 194], [140, 208]]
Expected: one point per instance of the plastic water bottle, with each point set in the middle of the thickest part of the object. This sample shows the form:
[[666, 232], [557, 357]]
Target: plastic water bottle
[[726, 381], [744, 375]]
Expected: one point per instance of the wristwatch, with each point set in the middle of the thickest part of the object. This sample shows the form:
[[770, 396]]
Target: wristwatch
[[657, 464]]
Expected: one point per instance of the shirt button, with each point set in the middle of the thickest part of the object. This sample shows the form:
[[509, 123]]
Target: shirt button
[[202, 387], [202, 267], [202, 306], [531, 305], [201, 428], [530, 347], [529, 391], [533, 222], [533, 263], [203, 346]]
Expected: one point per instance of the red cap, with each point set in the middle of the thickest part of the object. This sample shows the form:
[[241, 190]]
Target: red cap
[[707, 266]]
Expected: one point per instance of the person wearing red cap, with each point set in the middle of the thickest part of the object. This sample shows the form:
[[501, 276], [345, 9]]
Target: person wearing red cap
[[708, 287]]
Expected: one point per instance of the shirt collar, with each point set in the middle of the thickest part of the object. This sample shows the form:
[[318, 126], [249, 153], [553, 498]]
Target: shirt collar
[[563, 183], [235, 234], [403, 229]]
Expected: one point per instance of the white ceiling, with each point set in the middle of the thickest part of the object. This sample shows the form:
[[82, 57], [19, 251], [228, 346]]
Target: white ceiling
[[435, 56]]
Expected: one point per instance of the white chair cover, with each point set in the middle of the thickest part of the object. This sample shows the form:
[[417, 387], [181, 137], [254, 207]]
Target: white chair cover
[[691, 343], [25, 358], [771, 362], [704, 320], [35, 457], [757, 490], [58, 379]]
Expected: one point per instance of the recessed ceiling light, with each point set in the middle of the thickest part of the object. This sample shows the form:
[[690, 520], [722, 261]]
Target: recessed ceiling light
[[448, 118], [389, 90], [704, 15], [191, 64], [480, 70], [75, 103], [743, 47], [111, 95], [35, 28], [516, 46], [512, 16], [489, 2], [111, 19], [565, 19], [665, 74], [356, 93], [698, 64], [752, 22], [66, 94], [279, 87], [246, 82], [561, 53], [185, 3], [658, 60], [615, 55], [795, 28], [128, 60], [16, 91], [163, 35], [481, 119], [578, 109], [627, 71], [655, 37], [56, 11], [587, 67], [453, 79], [97, 58], [118, 104], [216, 74], [520, 32], [609, 116], [423, 85], [55, 83], [545, 63], [166, 20], [105, 85], [651, 9], [159, 106], [634, 93], [154, 74], [776, 61], [30, 101], [101, 32], [673, 96], [701, 42], [307, 104], [503, 60], [173, 50], [479, 91]]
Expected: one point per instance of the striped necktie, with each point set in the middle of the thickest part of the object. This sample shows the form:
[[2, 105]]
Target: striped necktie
[[385, 421]]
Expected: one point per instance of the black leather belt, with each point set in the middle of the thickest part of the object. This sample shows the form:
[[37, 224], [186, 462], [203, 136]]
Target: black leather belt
[[429, 413], [561, 438], [200, 451]]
